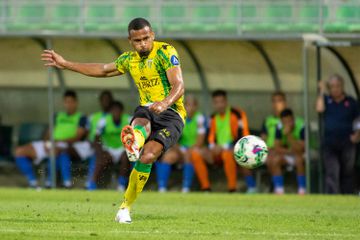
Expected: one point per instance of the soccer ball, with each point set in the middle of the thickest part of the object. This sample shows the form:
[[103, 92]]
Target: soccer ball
[[250, 152]]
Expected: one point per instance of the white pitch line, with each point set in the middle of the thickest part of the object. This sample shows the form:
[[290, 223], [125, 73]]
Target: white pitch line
[[293, 234]]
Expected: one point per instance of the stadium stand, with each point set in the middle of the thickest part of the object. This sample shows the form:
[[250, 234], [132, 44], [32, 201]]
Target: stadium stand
[[208, 17]]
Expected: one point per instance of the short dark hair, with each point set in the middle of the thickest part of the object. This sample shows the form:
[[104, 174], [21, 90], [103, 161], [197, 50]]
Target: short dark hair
[[138, 23], [70, 93], [287, 112], [117, 104], [278, 94], [106, 93], [219, 92]]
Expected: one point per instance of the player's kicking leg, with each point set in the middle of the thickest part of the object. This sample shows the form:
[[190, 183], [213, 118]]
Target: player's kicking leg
[[133, 138]]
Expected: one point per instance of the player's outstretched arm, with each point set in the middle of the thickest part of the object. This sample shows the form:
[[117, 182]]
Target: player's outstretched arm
[[177, 90], [53, 59]]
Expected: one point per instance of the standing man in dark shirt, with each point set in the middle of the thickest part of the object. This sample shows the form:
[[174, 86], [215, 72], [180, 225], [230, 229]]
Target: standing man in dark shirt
[[340, 111]]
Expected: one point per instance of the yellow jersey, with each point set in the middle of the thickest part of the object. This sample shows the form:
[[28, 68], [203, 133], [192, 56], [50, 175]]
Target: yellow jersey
[[149, 74]]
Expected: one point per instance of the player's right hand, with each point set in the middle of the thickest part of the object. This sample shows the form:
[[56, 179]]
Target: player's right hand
[[52, 59]]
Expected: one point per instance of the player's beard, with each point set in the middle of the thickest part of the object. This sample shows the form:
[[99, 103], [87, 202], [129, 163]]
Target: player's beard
[[144, 53]]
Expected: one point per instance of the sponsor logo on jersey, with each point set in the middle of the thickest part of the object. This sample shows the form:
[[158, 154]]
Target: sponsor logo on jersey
[[145, 83]]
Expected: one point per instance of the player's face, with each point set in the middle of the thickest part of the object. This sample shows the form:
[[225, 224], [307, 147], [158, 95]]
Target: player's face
[[336, 88], [105, 102], [70, 105], [142, 40], [288, 121], [116, 113], [220, 104], [190, 106], [278, 104]]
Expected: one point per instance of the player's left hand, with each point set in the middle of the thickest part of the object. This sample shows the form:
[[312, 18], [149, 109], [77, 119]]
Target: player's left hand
[[158, 107]]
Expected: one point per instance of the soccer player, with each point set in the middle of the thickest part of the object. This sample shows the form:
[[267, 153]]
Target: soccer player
[[105, 99], [159, 119], [289, 150], [108, 145], [189, 151], [271, 122], [69, 129], [227, 125], [278, 103]]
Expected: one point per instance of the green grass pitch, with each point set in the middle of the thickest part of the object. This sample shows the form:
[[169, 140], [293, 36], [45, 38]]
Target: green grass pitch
[[76, 214]]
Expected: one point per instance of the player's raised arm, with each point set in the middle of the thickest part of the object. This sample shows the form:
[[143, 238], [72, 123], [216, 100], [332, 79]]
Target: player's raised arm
[[53, 59]]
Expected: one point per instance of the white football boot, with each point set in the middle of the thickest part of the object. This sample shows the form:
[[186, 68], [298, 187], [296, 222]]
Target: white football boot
[[123, 216], [130, 144]]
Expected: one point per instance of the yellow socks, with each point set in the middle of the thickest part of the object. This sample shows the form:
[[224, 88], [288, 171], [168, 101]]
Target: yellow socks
[[138, 178], [140, 135]]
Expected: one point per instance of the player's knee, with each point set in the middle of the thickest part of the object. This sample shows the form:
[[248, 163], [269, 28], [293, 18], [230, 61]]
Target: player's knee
[[299, 161], [270, 160], [274, 160], [20, 151], [148, 157], [170, 157]]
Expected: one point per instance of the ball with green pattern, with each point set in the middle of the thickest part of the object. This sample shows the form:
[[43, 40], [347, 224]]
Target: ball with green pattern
[[250, 152]]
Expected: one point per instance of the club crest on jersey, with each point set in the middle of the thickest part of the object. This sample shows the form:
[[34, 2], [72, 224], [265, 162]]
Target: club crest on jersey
[[174, 60], [149, 63]]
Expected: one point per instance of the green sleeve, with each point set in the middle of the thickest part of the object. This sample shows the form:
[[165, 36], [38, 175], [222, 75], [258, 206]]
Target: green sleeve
[[122, 62]]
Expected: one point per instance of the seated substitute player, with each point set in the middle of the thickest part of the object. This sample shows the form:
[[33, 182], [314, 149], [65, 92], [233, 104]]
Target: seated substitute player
[[108, 145], [105, 99], [227, 125], [159, 119], [289, 150], [268, 131], [69, 129], [189, 151]]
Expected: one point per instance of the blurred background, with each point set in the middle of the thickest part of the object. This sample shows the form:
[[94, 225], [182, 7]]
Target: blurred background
[[249, 48]]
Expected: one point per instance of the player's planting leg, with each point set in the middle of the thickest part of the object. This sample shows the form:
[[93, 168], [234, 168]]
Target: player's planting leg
[[138, 178]]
